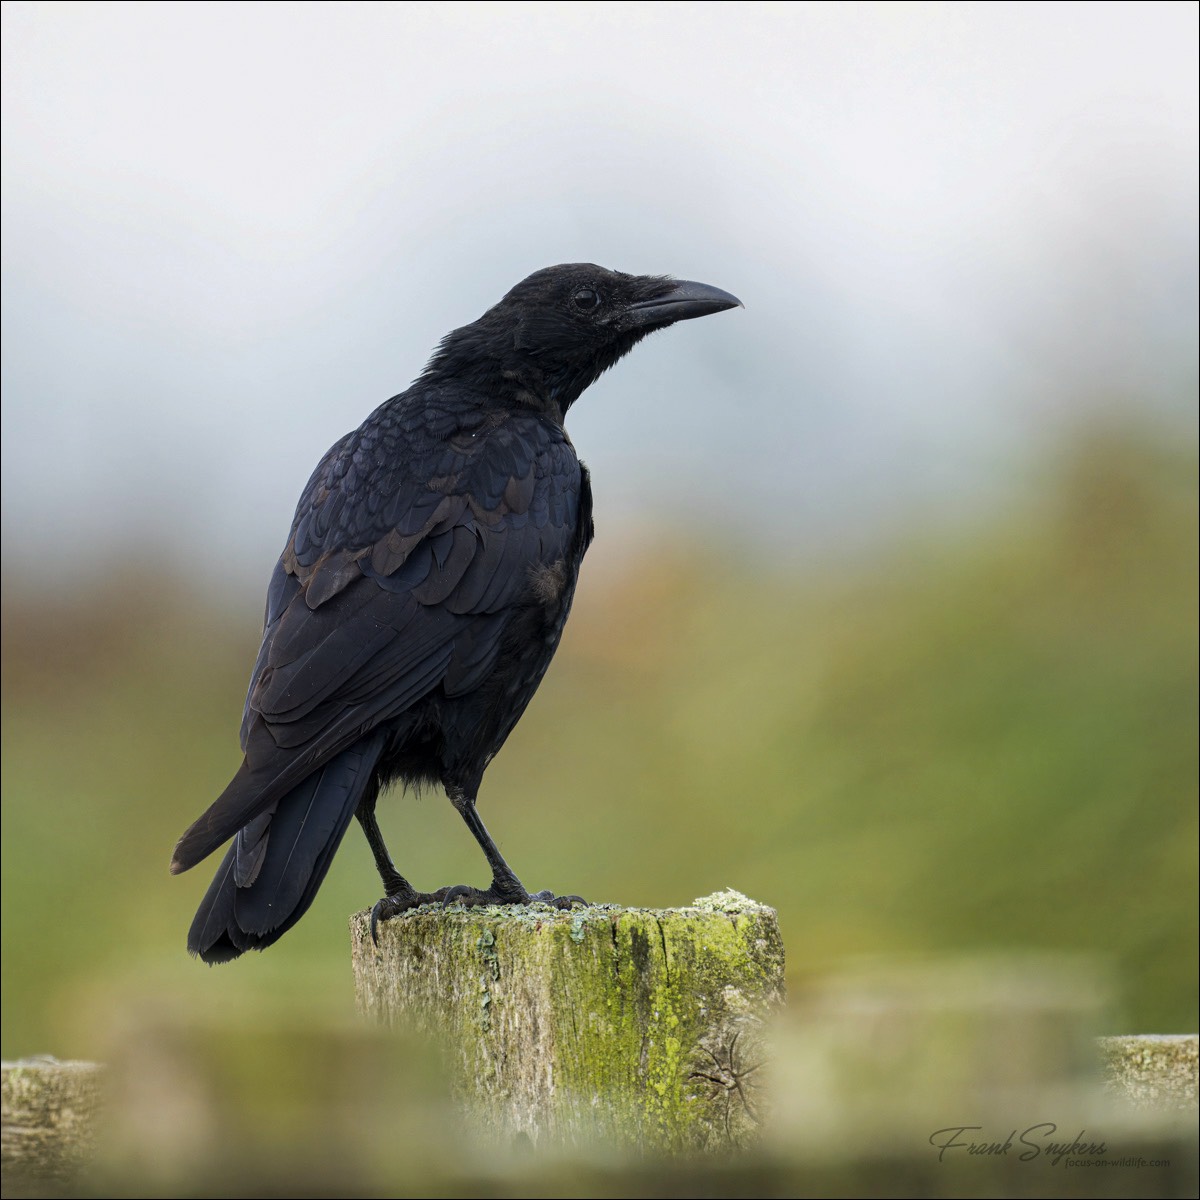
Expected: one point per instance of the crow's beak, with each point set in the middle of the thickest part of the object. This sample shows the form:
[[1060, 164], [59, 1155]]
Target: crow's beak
[[684, 301]]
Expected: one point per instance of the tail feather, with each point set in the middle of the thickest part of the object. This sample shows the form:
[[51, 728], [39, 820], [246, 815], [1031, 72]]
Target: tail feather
[[250, 847], [214, 934], [272, 870]]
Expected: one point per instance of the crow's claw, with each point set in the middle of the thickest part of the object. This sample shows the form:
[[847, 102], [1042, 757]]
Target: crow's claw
[[467, 896], [401, 902], [471, 897]]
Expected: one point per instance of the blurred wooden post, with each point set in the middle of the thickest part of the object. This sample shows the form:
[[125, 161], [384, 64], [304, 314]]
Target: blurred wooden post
[[1153, 1071], [49, 1118], [625, 1027]]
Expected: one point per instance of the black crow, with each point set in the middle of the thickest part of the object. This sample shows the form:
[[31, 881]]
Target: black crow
[[418, 601]]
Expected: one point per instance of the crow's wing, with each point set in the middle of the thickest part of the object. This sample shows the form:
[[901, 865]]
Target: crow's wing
[[415, 541]]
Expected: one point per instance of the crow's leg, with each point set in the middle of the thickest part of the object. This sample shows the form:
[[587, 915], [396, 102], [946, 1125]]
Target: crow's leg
[[506, 887], [400, 895], [393, 881]]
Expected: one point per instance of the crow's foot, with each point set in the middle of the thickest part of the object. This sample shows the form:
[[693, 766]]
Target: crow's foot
[[470, 897], [401, 902], [505, 893]]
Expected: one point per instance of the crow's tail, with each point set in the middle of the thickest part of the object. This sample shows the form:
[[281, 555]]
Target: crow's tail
[[274, 866]]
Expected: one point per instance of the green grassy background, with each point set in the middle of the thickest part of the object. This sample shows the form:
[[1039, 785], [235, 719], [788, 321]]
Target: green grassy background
[[979, 736]]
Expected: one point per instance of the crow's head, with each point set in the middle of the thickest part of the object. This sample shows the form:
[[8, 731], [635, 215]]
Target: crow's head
[[557, 331]]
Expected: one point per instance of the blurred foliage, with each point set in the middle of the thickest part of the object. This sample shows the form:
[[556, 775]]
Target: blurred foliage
[[981, 737]]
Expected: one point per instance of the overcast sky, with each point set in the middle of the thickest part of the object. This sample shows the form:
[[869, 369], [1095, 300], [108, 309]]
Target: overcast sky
[[231, 230]]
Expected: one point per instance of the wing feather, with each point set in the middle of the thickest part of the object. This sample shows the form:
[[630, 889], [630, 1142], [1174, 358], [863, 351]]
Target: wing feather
[[362, 623]]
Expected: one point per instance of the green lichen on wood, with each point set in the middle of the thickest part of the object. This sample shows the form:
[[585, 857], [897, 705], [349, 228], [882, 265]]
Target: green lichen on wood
[[629, 1026]]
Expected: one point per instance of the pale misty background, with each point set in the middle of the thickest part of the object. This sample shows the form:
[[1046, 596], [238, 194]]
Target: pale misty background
[[891, 617], [232, 230]]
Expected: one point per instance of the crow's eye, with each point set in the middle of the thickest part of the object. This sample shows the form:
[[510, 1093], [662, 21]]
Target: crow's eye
[[585, 299]]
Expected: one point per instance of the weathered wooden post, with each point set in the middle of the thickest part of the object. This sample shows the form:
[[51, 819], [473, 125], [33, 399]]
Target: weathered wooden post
[[630, 1027]]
